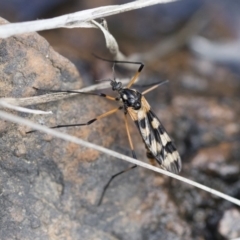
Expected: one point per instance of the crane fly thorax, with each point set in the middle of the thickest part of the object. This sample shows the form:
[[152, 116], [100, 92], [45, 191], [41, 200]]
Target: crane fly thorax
[[131, 98]]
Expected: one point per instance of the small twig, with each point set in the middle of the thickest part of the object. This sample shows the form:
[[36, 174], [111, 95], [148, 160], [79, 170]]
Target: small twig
[[50, 97], [5, 104], [111, 43], [74, 19], [81, 142]]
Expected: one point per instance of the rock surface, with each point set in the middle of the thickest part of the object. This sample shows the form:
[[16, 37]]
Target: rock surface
[[229, 226], [50, 188]]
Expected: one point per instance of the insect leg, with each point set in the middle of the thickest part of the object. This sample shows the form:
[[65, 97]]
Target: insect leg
[[119, 173], [86, 93], [154, 86], [87, 123], [129, 137], [136, 74], [135, 77]]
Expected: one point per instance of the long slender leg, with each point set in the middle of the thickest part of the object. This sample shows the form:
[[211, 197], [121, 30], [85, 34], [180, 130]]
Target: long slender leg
[[129, 136], [86, 93], [135, 77], [87, 123], [136, 74], [153, 87], [126, 170]]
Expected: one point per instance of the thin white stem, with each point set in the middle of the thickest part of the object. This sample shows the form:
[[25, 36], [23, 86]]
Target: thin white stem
[[5, 104], [67, 137], [74, 19], [14, 103]]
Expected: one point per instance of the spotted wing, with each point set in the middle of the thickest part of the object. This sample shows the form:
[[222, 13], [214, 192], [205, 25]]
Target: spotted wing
[[156, 139], [160, 145]]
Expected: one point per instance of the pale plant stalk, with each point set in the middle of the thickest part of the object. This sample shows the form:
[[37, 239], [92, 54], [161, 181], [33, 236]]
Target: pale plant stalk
[[64, 136], [77, 19], [18, 104]]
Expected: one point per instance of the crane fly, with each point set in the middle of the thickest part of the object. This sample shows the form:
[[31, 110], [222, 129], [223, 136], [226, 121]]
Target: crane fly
[[157, 142]]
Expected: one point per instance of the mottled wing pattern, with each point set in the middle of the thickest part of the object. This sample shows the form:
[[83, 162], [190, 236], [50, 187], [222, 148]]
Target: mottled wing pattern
[[156, 139], [167, 155]]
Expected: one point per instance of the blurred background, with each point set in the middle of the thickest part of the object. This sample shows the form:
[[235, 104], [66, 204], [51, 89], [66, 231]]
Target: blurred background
[[195, 44]]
